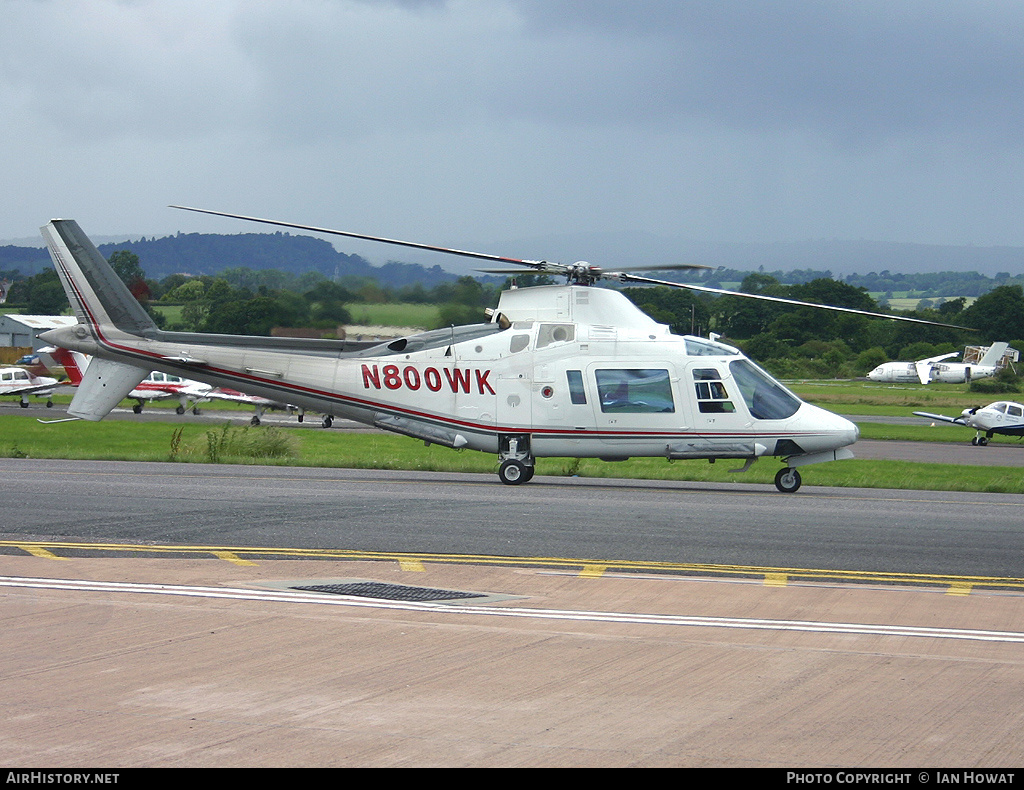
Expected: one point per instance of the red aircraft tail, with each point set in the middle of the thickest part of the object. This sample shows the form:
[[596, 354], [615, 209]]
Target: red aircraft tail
[[74, 364]]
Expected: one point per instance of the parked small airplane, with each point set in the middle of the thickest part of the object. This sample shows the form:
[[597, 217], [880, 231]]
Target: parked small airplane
[[1001, 417], [933, 368], [18, 381]]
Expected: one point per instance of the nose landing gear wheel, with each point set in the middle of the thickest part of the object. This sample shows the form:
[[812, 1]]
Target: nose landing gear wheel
[[787, 480], [513, 472]]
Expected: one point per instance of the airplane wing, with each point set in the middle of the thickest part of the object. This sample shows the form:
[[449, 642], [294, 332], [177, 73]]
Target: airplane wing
[[933, 360], [233, 396], [941, 417], [924, 366], [29, 389]]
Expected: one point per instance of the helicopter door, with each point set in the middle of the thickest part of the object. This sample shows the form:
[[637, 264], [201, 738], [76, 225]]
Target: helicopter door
[[715, 407], [633, 403]]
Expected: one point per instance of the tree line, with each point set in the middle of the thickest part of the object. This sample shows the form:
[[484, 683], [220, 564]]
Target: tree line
[[789, 341]]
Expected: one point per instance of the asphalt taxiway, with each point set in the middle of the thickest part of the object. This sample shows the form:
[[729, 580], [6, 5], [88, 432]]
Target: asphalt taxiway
[[153, 616]]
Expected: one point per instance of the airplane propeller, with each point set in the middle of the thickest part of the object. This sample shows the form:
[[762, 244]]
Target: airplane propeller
[[579, 273]]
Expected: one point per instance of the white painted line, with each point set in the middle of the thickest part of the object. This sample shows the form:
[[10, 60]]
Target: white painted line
[[285, 596]]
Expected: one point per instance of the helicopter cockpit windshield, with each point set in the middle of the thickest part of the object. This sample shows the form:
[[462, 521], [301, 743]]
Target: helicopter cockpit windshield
[[766, 399]]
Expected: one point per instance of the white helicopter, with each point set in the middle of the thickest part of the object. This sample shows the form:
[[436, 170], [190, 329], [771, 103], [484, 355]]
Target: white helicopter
[[558, 371], [1001, 417]]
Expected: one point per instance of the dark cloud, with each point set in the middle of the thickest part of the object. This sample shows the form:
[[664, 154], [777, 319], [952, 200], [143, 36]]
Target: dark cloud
[[516, 118]]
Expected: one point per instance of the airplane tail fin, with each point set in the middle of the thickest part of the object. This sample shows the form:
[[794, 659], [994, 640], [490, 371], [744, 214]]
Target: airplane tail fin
[[74, 363], [97, 295], [994, 354]]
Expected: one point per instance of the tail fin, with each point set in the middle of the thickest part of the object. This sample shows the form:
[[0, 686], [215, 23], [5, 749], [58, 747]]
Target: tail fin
[[994, 354], [104, 307], [96, 293], [74, 363]]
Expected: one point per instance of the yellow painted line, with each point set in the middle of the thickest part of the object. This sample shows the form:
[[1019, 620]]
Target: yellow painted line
[[775, 580], [230, 556], [38, 551], [411, 565], [587, 567], [959, 588]]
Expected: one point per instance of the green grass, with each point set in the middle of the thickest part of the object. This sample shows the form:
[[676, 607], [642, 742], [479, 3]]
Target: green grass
[[415, 316], [21, 436], [172, 312]]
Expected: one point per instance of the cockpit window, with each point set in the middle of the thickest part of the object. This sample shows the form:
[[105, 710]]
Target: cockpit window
[[712, 397], [766, 399]]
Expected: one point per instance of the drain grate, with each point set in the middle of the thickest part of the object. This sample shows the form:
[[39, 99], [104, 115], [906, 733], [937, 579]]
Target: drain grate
[[390, 592]]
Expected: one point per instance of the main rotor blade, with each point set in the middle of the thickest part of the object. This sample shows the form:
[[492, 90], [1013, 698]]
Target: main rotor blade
[[630, 278], [415, 245], [668, 267]]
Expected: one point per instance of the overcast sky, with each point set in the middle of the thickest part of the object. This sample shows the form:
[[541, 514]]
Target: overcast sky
[[462, 122]]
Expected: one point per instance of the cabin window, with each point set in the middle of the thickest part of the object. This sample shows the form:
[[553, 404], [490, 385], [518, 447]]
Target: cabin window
[[1014, 411], [639, 391], [712, 397], [577, 394], [766, 399]]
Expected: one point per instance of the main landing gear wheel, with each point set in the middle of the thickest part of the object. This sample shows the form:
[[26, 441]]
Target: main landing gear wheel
[[328, 421], [179, 410], [787, 480], [513, 472], [137, 408], [254, 421]]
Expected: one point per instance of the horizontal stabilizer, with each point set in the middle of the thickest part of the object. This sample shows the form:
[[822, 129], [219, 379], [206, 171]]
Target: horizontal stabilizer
[[104, 385]]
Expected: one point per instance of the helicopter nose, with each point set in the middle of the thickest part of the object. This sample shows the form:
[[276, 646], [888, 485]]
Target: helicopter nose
[[826, 431], [845, 431]]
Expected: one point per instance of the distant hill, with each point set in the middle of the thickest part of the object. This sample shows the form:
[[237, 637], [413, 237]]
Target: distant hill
[[202, 253], [207, 253]]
